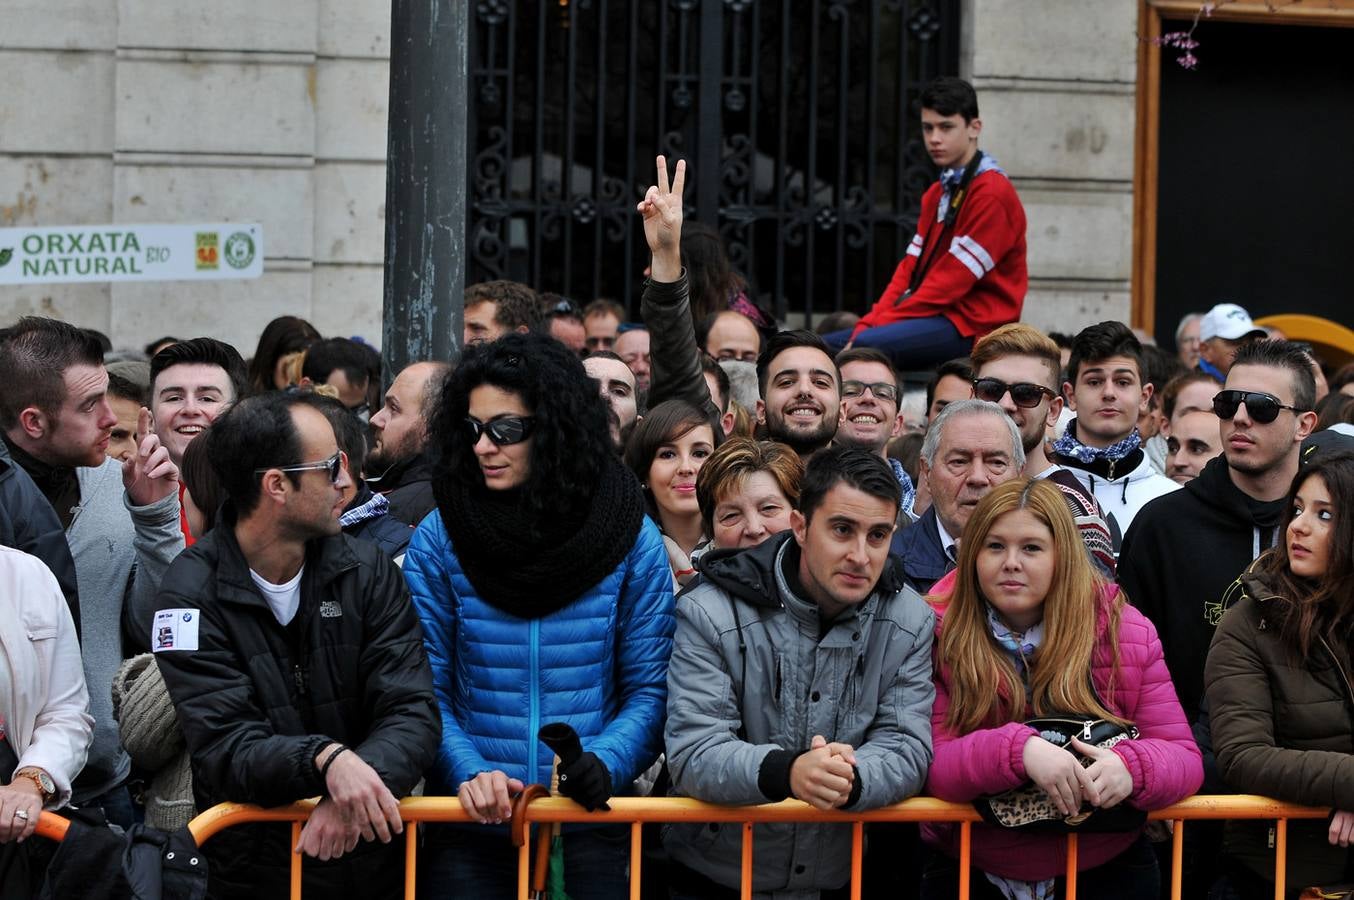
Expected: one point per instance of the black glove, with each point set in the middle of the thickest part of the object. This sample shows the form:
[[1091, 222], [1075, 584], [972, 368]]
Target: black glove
[[586, 781]]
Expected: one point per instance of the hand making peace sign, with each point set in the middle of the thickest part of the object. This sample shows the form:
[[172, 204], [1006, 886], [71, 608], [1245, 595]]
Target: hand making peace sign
[[662, 212]]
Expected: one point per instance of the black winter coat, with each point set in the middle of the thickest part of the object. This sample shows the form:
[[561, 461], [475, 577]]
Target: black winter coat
[[258, 701], [28, 523], [1183, 555]]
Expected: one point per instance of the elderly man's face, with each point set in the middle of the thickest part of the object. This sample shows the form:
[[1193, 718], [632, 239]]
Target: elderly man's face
[[974, 455]]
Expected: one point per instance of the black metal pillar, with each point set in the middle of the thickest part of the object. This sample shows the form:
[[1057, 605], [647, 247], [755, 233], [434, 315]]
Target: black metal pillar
[[425, 182], [709, 124]]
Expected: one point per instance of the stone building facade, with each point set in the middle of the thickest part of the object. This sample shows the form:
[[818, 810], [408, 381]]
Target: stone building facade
[[125, 111]]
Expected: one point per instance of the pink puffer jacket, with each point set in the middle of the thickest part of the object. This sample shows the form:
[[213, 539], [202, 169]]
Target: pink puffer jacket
[[1164, 761]]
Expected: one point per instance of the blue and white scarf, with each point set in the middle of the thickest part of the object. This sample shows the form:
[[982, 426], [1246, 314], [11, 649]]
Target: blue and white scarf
[[374, 508], [1068, 445], [908, 501], [950, 178]]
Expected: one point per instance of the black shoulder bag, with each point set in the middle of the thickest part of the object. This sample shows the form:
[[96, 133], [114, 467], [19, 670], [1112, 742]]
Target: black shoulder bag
[[1028, 808], [929, 253]]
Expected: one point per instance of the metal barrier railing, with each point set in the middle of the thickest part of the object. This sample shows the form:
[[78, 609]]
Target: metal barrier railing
[[538, 809]]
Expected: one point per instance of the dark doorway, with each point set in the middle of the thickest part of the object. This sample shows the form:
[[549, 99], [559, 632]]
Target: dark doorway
[[1256, 187], [797, 118]]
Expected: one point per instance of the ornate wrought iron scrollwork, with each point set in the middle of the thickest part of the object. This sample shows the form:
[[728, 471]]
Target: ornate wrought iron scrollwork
[[492, 12], [815, 182], [924, 23]]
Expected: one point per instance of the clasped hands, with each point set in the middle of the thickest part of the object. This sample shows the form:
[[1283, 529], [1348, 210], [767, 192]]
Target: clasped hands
[[1059, 773], [823, 777], [359, 806]]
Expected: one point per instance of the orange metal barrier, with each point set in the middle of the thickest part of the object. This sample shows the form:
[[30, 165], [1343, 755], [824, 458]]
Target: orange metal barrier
[[637, 811]]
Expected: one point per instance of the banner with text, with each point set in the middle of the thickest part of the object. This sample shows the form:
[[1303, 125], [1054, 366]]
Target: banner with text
[[130, 253]]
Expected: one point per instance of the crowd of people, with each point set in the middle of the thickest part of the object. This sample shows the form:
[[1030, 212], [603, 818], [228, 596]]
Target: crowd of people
[[1068, 578]]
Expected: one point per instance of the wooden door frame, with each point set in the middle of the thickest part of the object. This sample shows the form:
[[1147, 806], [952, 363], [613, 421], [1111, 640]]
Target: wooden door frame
[[1146, 166]]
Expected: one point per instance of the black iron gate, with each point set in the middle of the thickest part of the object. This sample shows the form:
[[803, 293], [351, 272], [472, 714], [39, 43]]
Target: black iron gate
[[797, 118]]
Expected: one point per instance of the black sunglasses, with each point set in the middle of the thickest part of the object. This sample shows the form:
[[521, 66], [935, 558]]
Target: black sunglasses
[[1024, 394], [1263, 408], [882, 390], [332, 466], [505, 431]]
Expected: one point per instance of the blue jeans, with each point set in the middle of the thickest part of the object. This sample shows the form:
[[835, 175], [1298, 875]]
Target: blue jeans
[[478, 861], [912, 344], [1132, 875]]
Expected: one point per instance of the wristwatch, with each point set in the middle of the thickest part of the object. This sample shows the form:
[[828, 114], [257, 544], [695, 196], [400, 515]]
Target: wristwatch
[[44, 781]]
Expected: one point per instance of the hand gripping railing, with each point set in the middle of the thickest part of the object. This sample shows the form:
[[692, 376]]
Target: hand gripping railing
[[534, 807]]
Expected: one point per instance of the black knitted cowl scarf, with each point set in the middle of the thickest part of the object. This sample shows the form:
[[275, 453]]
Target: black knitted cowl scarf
[[531, 572]]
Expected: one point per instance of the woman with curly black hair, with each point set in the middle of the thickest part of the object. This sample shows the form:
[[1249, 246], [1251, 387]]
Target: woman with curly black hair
[[545, 597]]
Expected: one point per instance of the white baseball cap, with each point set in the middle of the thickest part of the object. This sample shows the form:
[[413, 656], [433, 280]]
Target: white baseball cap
[[1229, 322]]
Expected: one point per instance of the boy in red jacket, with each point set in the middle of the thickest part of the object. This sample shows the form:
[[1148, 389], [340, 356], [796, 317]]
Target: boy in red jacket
[[964, 272]]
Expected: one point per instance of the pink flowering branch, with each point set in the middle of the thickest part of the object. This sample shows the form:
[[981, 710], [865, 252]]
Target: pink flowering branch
[[1185, 42]]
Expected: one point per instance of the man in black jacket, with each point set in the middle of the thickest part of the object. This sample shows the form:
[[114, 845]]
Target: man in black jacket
[[28, 523], [1186, 549], [295, 663]]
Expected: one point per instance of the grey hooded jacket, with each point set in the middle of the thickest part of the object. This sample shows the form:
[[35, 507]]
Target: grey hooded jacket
[[751, 682]]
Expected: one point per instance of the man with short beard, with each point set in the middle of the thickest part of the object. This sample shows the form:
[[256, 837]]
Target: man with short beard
[[800, 392], [121, 519], [616, 383], [396, 466]]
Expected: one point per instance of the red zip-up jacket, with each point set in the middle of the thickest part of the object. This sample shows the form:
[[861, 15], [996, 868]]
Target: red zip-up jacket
[[978, 280]]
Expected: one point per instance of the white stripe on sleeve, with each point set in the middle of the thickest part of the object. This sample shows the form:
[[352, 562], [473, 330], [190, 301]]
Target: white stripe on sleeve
[[967, 259], [977, 250]]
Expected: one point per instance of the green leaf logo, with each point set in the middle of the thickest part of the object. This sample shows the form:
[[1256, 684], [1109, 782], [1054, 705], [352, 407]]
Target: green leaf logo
[[6, 254]]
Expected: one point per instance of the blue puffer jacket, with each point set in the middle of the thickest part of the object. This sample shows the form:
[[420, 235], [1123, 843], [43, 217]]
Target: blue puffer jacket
[[600, 664]]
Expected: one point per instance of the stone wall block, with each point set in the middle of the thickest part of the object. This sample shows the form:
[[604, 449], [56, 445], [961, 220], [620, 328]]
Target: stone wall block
[[352, 98], [215, 107], [350, 200], [347, 301], [354, 28], [1078, 234], [254, 25], [56, 102], [84, 304], [281, 200], [1059, 134], [61, 190], [60, 24], [233, 311], [1070, 308], [1055, 39]]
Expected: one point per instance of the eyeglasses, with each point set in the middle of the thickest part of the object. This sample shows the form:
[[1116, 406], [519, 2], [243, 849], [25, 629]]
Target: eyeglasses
[[505, 431], [882, 390], [1263, 408], [1024, 394], [333, 465]]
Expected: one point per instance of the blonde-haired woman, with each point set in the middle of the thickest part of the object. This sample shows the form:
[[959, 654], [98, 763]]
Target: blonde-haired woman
[[1029, 628]]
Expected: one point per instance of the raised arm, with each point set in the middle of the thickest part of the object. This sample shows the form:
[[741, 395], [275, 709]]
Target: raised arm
[[665, 303]]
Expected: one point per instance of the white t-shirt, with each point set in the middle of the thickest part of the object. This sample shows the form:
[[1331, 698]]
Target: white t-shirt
[[283, 599]]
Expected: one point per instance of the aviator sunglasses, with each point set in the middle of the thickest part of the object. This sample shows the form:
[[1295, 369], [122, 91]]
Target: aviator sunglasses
[[1263, 408], [505, 431], [330, 465], [1024, 394]]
